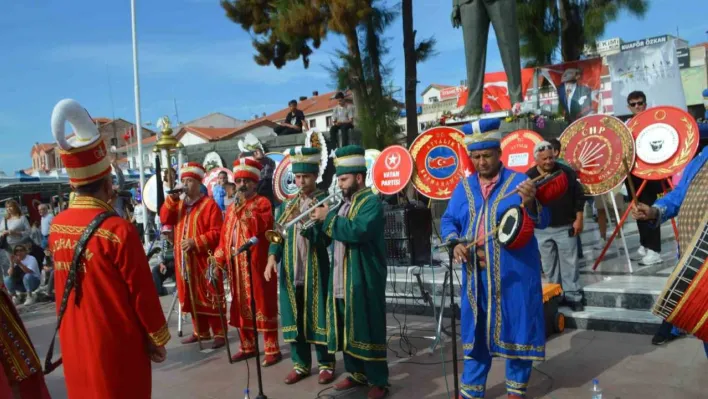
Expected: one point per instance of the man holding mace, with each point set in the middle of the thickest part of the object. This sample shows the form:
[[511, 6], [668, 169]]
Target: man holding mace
[[305, 273], [250, 216], [356, 309], [197, 224], [502, 304], [111, 323]]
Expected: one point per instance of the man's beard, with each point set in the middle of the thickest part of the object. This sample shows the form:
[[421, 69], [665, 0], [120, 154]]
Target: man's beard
[[349, 192]]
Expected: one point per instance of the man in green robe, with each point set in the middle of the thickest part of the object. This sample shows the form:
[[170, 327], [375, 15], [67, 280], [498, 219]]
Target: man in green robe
[[304, 275], [356, 308]]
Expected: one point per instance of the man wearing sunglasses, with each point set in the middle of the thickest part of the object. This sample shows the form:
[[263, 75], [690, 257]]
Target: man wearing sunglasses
[[649, 252]]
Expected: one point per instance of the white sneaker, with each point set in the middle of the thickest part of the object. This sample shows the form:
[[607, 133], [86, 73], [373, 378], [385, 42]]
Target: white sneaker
[[641, 253], [15, 300], [30, 299], [651, 258]]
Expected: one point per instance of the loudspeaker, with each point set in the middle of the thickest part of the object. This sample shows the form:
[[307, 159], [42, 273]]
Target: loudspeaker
[[407, 233]]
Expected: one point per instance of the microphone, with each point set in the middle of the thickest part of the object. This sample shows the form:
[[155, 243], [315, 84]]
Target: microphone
[[251, 242], [175, 191], [453, 242]]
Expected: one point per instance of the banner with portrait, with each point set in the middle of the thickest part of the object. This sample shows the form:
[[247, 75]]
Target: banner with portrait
[[577, 86], [653, 70]]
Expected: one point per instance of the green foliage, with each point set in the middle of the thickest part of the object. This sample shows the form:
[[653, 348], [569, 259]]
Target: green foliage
[[553, 28]]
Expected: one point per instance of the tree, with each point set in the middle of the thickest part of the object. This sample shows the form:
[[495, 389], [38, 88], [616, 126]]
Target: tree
[[567, 26], [412, 55], [287, 30]]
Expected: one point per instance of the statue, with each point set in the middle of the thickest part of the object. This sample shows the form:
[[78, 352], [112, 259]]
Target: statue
[[475, 16], [164, 124]]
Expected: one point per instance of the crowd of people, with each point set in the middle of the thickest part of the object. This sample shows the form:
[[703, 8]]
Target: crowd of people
[[320, 281]]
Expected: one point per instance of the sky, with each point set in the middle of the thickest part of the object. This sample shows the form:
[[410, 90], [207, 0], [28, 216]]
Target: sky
[[191, 54]]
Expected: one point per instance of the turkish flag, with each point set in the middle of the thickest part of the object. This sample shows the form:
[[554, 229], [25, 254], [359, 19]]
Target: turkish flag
[[496, 90]]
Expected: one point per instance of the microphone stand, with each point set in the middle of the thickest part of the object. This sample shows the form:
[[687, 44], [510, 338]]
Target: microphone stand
[[453, 308], [260, 395]]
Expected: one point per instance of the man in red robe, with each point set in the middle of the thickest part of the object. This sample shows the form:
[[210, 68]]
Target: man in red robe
[[250, 216], [113, 324], [197, 220], [21, 374]]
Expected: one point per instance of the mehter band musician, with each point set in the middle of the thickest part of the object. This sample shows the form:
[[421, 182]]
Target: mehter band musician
[[356, 309], [21, 375], [689, 201], [197, 224], [305, 272], [502, 304], [250, 216], [113, 325]]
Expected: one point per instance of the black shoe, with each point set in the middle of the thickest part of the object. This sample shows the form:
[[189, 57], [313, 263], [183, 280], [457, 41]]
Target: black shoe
[[576, 306], [660, 340]]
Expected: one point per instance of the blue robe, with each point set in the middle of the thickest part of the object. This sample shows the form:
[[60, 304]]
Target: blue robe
[[669, 204], [506, 295]]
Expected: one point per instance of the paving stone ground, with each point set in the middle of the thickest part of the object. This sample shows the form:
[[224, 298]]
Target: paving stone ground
[[627, 365]]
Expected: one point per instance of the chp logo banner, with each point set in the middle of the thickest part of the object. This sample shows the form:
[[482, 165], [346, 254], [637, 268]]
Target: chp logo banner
[[653, 69], [496, 90], [577, 86]]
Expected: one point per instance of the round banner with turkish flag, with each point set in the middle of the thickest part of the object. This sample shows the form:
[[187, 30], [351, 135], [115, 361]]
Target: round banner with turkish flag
[[441, 160], [284, 185], [517, 150], [212, 177], [601, 150], [666, 139], [392, 170]]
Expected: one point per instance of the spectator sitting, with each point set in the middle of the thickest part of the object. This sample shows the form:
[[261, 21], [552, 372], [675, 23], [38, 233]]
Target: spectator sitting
[[47, 276], [23, 276], [294, 122], [342, 121], [166, 261]]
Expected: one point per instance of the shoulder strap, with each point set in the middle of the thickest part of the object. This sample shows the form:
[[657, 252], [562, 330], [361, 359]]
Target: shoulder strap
[[71, 282]]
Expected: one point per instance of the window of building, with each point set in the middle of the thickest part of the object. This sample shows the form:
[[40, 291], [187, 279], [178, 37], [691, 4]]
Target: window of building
[[114, 142], [313, 123], [328, 121], [434, 99]]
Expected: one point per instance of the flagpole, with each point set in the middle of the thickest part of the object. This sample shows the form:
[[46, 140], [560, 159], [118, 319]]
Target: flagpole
[[138, 123]]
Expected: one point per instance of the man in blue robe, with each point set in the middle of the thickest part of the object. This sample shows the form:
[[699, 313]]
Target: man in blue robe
[[502, 303], [693, 181]]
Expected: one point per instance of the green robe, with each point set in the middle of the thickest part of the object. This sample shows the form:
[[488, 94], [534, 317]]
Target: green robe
[[364, 279], [316, 277]]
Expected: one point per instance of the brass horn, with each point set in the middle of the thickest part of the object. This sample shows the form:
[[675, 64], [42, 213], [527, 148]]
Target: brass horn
[[280, 231]]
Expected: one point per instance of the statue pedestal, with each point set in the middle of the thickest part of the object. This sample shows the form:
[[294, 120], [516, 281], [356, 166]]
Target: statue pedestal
[[459, 121]]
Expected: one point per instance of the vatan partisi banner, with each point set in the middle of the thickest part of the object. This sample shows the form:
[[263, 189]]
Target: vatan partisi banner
[[653, 70]]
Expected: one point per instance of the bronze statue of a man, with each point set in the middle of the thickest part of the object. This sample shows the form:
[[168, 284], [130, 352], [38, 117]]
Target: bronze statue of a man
[[474, 16]]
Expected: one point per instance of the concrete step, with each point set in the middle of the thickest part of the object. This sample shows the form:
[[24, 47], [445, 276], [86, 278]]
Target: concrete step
[[612, 319], [627, 292]]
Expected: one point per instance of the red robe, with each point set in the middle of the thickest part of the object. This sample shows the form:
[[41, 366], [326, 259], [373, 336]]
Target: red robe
[[203, 224], [104, 340], [20, 366], [251, 219]]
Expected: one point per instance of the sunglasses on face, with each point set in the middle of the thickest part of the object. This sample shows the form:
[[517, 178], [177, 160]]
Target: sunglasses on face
[[636, 104]]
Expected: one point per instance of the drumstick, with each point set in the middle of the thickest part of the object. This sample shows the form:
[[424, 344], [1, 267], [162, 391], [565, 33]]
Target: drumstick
[[516, 190], [632, 191]]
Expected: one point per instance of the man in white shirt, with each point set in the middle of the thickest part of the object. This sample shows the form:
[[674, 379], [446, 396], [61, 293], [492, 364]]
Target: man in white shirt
[[45, 224], [342, 122], [23, 276]]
